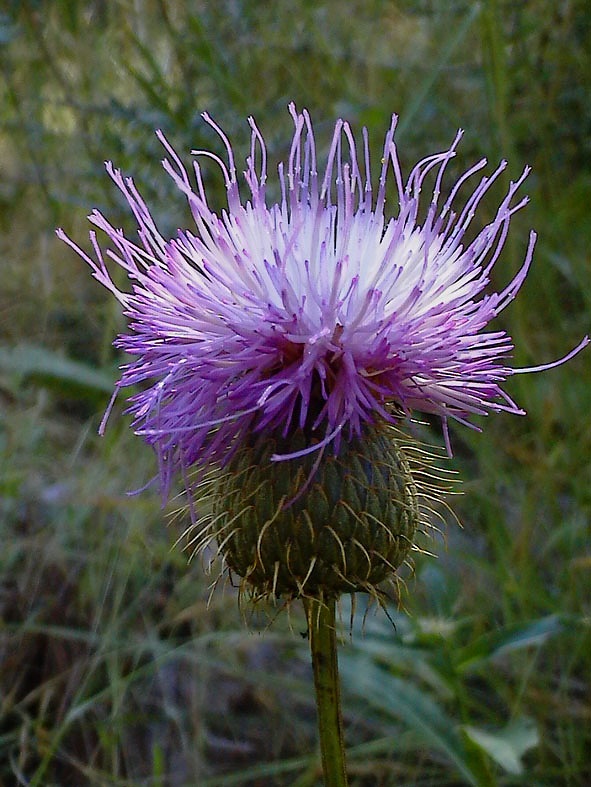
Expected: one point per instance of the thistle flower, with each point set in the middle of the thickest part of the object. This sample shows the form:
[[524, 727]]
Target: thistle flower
[[308, 325]]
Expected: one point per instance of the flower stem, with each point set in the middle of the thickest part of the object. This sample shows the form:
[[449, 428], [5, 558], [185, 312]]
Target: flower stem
[[323, 648]]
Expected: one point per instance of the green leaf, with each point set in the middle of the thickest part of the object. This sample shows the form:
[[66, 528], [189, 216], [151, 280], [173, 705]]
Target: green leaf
[[508, 745], [31, 361], [400, 699], [510, 638]]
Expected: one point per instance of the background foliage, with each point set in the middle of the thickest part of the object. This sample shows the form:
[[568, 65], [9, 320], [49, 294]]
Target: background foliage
[[113, 671]]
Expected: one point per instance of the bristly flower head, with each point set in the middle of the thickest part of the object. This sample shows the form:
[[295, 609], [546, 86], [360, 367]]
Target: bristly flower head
[[318, 312]]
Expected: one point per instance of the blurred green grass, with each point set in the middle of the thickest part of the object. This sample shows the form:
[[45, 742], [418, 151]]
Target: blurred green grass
[[113, 670]]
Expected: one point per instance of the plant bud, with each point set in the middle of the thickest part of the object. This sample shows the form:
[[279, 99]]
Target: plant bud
[[291, 528]]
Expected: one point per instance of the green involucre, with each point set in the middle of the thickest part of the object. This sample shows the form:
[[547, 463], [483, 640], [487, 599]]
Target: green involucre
[[349, 530]]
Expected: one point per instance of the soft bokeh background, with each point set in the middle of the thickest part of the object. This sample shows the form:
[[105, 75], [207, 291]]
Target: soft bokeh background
[[113, 668]]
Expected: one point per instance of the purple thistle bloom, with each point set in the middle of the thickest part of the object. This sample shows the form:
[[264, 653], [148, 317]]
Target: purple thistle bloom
[[317, 311]]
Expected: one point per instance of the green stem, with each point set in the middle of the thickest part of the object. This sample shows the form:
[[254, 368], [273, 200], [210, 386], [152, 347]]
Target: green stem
[[323, 648]]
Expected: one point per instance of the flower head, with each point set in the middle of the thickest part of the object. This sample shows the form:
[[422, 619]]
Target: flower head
[[319, 312]]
